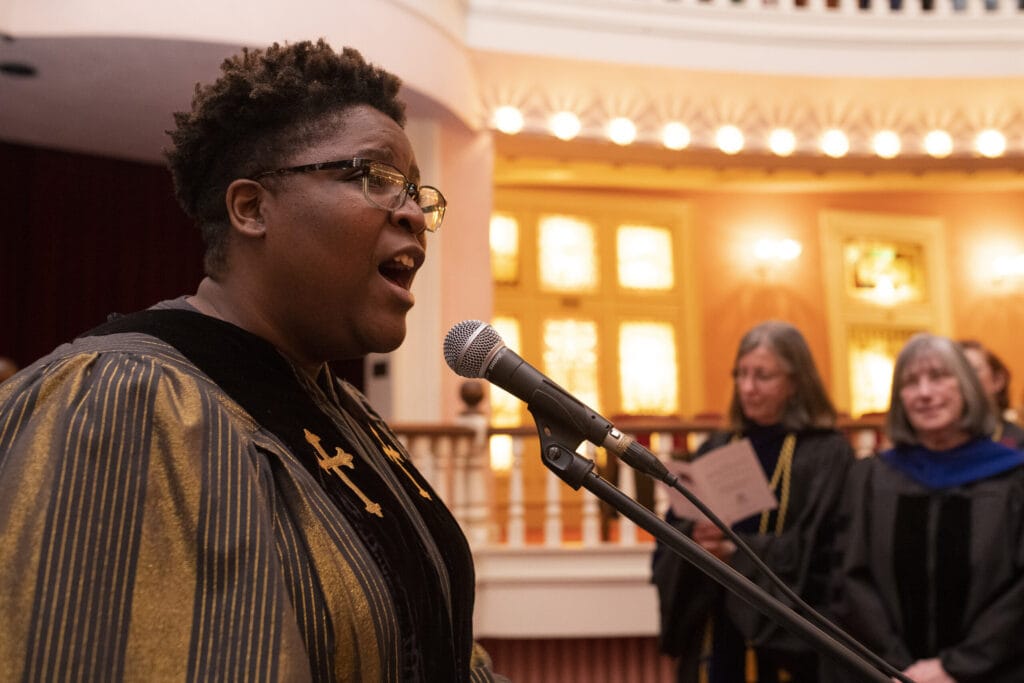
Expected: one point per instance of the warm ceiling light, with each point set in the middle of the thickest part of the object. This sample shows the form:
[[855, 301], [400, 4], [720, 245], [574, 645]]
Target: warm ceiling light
[[508, 119], [621, 131], [565, 125], [675, 135], [990, 143], [729, 139], [835, 143], [938, 143], [782, 142], [886, 144]]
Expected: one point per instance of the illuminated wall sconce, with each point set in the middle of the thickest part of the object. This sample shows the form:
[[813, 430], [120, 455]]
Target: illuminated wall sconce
[[771, 254], [777, 251], [1008, 271]]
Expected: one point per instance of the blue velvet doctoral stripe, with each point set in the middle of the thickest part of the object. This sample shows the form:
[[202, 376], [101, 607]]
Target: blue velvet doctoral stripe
[[970, 462]]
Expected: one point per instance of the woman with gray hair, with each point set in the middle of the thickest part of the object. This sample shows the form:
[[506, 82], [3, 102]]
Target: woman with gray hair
[[932, 577], [779, 403]]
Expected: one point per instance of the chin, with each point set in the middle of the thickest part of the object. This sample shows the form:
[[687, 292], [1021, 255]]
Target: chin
[[386, 339]]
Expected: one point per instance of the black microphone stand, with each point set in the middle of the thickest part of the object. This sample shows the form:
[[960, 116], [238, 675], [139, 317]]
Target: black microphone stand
[[576, 471]]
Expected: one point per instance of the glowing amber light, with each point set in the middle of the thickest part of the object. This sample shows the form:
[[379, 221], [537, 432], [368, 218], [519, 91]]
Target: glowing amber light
[[886, 144], [872, 357], [621, 131], [565, 125], [568, 254], [990, 143], [675, 135], [782, 142], [506, 409], [938, 144], [773, 250], [504, 235], [647, 368], [644, 255], [729, 139], [834, 143], [570, 357], [508, 120]]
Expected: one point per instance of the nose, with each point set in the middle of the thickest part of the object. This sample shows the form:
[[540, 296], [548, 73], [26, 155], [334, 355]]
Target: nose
[[410, 216]]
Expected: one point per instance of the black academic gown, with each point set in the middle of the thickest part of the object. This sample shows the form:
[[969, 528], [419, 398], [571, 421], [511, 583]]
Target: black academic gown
[[708, 628], [934, 572]]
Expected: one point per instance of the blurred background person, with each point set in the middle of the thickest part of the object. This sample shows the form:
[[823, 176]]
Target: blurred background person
[[780, 405], [932, 577], [7, 368], [995, 381]]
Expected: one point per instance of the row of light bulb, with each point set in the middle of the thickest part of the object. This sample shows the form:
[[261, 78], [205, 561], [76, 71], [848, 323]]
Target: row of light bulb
[[729, 139]]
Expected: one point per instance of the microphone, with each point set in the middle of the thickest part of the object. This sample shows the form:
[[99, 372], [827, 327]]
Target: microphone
[[473, 349]]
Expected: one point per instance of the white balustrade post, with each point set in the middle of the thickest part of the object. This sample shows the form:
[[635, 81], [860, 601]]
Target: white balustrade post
[[516, 510], [552, 510], [473, 467], [590, 511], [865, 441], [423, 459], [443, 467], [478, 481], [460, 446], [627, 484], [661, 446]]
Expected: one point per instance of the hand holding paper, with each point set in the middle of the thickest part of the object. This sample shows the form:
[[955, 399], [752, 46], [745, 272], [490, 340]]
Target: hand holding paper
[[729, 480]]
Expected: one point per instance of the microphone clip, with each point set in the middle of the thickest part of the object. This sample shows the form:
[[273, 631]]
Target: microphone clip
[[558, 444]]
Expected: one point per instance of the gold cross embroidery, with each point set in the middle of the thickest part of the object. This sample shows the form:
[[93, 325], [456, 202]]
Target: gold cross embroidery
[[396, 457], [341, 459]]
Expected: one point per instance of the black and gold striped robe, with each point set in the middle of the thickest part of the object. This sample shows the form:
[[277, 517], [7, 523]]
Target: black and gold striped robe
[[151, 529]]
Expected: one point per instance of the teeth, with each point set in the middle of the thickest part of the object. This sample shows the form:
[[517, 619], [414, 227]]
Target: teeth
[[404, 260]]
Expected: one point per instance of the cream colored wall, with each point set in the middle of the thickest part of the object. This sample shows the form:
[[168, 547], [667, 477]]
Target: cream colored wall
[[466, 289]]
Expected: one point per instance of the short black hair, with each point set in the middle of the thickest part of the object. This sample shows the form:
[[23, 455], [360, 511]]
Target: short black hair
[[265, 103]]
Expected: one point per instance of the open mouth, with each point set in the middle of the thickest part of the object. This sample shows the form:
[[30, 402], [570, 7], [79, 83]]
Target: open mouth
[[399, 270]]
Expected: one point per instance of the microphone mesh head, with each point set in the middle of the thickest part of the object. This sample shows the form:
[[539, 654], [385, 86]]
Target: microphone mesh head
[[468, 345]]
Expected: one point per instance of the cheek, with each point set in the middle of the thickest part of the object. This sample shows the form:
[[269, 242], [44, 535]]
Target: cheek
[[958, 400], [906, 395]]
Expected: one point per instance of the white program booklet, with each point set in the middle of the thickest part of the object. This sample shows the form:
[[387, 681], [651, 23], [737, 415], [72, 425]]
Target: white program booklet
[[728, 480]]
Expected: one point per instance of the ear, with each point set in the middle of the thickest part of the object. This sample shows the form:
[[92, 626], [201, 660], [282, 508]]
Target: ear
[[244, 202], [999, 378]]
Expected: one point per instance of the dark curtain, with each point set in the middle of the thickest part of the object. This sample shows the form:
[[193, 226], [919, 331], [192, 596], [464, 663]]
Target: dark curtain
[[82, 237]]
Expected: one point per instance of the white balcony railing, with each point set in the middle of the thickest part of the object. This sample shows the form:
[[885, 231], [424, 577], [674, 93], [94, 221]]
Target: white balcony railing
[[834, 38], [551, 564]]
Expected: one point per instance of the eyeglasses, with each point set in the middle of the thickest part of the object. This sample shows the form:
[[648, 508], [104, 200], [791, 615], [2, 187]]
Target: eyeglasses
[[756, 376], [384, 186]]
